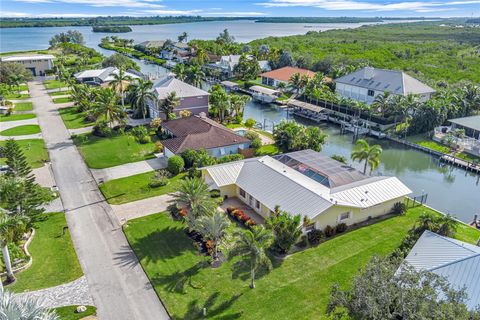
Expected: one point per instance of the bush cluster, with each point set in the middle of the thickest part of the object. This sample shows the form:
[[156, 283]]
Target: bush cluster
[[240, 216], [175, 165]]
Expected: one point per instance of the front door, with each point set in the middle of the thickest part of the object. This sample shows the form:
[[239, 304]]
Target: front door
[[251, 201]]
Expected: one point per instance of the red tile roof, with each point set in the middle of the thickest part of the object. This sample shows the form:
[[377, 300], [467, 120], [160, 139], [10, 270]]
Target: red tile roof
[[285, 73]]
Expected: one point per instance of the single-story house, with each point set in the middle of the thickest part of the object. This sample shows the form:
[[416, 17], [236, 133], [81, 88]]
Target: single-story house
[[275, 77], [227, 64], [191, 98], [471, 125], [179, 51], [103, 76], [457, 261], [154, 45], [365, 84], [38, 64], [200, 132], [325, 191]]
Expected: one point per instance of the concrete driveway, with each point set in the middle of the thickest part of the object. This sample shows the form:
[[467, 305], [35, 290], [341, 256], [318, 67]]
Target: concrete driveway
[[12, 124], [128, 169], [141, 208]]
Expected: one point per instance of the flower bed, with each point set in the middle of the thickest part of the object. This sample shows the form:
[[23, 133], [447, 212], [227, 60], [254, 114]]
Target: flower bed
[[240, 216]]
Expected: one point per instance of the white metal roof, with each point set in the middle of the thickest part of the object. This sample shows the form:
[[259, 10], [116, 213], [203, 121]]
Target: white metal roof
[[225, 174], [457, 261], [264, 90], [30, 57], [168, 84], [105, 74]]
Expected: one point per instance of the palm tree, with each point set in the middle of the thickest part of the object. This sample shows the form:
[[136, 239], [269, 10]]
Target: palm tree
[[106, 105], [251, 246], [371, 154], [447, 225], [120, 83], [140, 93], [195, 75], [428, 222], [214, 228], [382, 102], [296, 83], [10, 227], [168, 105], [25, 308], [180, 71], [183, 37], [81, 94], [237, 104]]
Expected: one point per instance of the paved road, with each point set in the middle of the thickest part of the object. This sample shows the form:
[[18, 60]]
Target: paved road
[[129, 169], [118, 284]]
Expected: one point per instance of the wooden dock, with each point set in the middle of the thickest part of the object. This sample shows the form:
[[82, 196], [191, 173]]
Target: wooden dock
[[466, 165]]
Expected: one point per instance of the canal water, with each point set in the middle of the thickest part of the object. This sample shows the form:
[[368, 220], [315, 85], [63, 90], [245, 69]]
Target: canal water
[[450, 189]]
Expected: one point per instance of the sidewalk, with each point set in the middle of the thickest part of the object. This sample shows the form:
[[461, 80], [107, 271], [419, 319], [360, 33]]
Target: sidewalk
[[24, 137], [12, 124]]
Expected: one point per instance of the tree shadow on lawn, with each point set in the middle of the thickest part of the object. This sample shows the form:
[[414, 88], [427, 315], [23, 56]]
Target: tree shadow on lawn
[[241, 270], [212, 307], [177, 281]]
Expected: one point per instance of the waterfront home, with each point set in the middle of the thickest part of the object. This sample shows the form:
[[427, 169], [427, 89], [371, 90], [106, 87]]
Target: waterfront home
[[283, 75], [178, 51], [102, 77], [191, 98], [200, 132], [463, 133], [457, 261], [323, 190], [38, 64], [365, 84], [150, 46], [227, 64]]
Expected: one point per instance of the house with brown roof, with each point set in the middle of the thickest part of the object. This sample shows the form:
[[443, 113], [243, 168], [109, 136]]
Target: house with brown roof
[[199, 132], [275, 77]]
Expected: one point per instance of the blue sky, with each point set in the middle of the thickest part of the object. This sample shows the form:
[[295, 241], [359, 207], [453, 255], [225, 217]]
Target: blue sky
[[253, 8]]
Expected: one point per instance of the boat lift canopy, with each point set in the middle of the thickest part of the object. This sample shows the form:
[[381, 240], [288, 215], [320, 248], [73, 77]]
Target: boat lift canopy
[[307, 106]]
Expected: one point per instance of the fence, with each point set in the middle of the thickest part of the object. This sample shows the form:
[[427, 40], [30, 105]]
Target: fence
[[417, 201]]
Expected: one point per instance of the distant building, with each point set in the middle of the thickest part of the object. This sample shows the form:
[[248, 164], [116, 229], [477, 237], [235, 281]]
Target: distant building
[[199, 132], [150, 45], [227, 64], [457, 261], [275, 77], [178, 51], [103, 76], [365, 84], [191, 98], [469, 143], [38, 64]]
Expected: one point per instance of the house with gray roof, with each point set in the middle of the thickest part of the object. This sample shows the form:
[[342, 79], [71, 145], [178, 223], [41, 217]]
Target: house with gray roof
[[457, 261], [191, 98], [365, 84], [103, 76], [325, 191]]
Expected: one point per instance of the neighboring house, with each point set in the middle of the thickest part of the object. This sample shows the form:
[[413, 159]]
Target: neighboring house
[[199, 132], [275, 77], [470, 142], [227, 64], [191, 98], [307, 183], [38, 64], [155, 45], [365, 84], [178, 51], [103, 76], [457, 261]]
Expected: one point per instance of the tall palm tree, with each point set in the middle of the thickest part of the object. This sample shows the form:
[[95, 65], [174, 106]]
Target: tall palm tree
[[447, 225], [370, 154], [201, 55], [24, 308], [140, 94], [251, 246], [120, 83], [10, 227], [180, 71], [168, 105], [195, 75], [382, 102], [183, 37], [237, 104], [296, 83], [82, 95], [106, 105], [214, 228]]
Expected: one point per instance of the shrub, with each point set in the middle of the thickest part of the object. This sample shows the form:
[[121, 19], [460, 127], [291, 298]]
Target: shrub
[[249, 123], [341, 227], [256, 143], [174, 211], [160, 179], [230, 158], [251, 135], [158, 147], [194, 173], [155, 123], [175, 164], [215, 193], [399, 208], [303, 241], [315, 236], [145, 139], [250, 223], [141, 134], [101, 129], [329, 231], [230, 210]]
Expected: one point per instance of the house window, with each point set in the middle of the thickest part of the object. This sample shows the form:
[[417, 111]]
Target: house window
[[242, 192], [257, 204], [344, 216], [371, 93]]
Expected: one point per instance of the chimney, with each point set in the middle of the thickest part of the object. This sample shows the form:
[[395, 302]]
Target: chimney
[[368, 73]]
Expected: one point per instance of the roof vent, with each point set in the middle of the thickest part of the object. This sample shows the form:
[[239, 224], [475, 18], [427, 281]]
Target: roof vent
[[368, 73]]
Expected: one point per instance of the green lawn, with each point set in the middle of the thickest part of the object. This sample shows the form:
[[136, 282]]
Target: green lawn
[[15, 117], [268, 149], [54, 259], [68, 313], [34, 150], [54, 84], [16, 96], [102, 153], [21, 130], [298, 288], [60, 93], [62, 100], [73, 119], [23, 106], [419, 139], [135, 187]]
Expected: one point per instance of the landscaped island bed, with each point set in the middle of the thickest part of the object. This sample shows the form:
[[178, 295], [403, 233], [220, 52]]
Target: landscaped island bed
[[297, 288], [15, 117], [34, 150]]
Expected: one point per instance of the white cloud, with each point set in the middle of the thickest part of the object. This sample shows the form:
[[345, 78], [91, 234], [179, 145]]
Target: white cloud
[[105, 3], [237, 14], [172, 12]]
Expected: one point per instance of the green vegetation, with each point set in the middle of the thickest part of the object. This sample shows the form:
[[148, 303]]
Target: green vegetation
[[268, 149], [15, 117], [16, 96], [119, 149], [69, 313], [185, 281], [54, 84], [34, 150], [112, 29], [62, 100], [23, 106], [54, 258], [21, 130], [60, 93], [136, 187], [74, 119], [130, 51]]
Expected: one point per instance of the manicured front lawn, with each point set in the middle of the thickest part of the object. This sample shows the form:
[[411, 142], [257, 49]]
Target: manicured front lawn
[[73, 119], [102, 153], [68, 313], [54, 84], [54, 259], [62, 100], [34, 150], [23, 106], [136, 187], [297, 288], [15, 117], [60, 93], [16, 96], [21, 130]]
